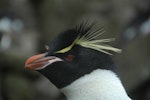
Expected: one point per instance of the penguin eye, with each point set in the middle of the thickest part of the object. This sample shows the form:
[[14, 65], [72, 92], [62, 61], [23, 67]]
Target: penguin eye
[[69, 57]]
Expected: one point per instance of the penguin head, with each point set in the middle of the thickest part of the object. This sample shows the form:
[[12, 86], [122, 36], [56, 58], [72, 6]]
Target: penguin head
[[73, 54]]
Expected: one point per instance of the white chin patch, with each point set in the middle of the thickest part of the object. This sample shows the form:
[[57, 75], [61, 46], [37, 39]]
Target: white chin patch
[[54, 59]]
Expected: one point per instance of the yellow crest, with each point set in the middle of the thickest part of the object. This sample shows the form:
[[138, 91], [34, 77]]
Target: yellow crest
[[91, 40]]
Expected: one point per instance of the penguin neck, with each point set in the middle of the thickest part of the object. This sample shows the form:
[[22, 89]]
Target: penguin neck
[[98, 85]]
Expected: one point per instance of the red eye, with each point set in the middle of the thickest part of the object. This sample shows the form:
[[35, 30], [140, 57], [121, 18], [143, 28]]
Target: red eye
[[69, 57]]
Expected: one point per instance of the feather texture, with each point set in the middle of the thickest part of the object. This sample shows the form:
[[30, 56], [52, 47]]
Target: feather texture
[[89, 37]]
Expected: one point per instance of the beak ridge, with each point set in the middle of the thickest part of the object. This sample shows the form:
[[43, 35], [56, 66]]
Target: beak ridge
[[39, 61], [29, 62]]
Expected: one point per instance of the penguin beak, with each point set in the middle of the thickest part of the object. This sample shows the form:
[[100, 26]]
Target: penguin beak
[[39, 61]]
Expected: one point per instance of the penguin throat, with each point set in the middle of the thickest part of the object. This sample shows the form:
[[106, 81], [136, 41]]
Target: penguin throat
[[98, 85]]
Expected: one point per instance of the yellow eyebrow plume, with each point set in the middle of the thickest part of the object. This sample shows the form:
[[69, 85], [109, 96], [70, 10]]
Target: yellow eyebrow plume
[[67, 48], [91, 40]]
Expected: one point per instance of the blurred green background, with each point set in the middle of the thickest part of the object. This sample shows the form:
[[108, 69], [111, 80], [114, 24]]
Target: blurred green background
[[26, 26]]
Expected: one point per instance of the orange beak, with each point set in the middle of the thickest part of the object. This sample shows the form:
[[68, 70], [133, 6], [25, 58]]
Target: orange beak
[[40, 61], [36, 61]]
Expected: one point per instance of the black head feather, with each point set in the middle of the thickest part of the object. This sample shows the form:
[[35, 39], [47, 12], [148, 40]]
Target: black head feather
[[84, 61], [67, 37]]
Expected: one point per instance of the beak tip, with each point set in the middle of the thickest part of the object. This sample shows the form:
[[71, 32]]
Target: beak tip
[[28, 67], [31, 59]]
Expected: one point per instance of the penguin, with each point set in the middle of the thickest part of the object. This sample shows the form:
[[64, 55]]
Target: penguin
[[79, 64]]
